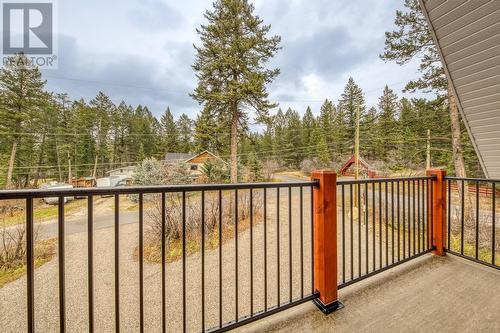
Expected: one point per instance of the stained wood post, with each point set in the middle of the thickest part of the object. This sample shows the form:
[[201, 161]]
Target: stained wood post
[[437, 211], [325, 241]]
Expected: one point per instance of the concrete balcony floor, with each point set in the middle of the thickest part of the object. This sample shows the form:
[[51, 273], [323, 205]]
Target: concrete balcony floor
[[429, 294]]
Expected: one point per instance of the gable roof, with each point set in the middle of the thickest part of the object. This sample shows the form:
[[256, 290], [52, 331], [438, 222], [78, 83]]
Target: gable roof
[[351, 161], [467, 35], [177, 157], [204, 152]]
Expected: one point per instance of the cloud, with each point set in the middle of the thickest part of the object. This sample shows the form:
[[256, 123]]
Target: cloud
[[155, 15], [141, 51], [132, 78]]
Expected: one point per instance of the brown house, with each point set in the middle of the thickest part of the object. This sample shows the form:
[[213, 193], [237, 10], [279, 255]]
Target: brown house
[[195, 162]]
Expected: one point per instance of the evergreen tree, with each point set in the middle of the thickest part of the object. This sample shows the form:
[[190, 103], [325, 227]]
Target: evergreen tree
[[388, 105], [412, 39], [21, 98], [170, 132], [308, 126], [185, 127], [351, 101], [230, 66]]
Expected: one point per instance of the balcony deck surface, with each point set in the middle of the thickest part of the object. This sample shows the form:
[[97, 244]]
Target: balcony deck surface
[[429, 294]]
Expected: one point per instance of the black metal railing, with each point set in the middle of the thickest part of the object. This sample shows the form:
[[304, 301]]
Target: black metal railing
[[382, 223], [471, 220], [269, 277]]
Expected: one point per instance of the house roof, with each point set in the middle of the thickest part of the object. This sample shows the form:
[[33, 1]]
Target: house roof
[[177, 157], [467, 34], [351, 161], [203, 152], [125, 168]]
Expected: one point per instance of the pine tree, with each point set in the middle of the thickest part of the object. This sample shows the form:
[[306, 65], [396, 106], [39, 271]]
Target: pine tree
[[230, 66], [185, 127], [21, 96], [351, 100], [412, 39], [388, 105], [208, 133], [308, 126], [170, 132]]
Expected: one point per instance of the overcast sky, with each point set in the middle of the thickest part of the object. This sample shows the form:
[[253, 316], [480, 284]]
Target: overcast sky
[[141, 51]]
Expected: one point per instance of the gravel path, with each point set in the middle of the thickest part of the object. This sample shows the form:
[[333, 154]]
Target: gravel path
[[13, 295]]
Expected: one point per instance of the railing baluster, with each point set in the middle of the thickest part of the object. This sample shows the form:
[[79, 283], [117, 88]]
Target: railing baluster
[[386, 203], [477, 220], [493, 222], [301, 208], [409, 218], [141, 263], [163, 263], [236, 254], [414, 218], [392, 220], [265, 249], [312, 238], [398, 221], [380, 219], [278, 302], [343, 232], [351, 231], [448, 212], [290, 286], [220, 258], [117, 262], [30, 265], [359, 229], [62, 286], [418, 217], [184, 290], [203, 261], [366, 228], [404, 219], [462, 218], [374, 253], [90, 256], [251, 252]]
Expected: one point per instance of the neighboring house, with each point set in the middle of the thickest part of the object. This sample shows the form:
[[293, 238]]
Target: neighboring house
[[174, 158], [123, 171], [195, 162], [348, 169]]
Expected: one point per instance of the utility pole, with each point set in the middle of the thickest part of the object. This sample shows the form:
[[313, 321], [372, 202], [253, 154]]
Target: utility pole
[[69, 171], [428, 164], [95, 166], [356, 161], [356, 144]]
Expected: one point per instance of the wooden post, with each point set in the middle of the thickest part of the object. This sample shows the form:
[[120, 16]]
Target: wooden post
[[325, 241], [437, 211]]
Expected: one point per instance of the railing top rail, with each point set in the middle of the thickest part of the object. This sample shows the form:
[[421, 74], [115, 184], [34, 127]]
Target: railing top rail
[[381, 180], [45, 193], [486, 180]]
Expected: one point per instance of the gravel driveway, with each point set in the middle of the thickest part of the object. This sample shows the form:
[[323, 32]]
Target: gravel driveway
[[13, 295]]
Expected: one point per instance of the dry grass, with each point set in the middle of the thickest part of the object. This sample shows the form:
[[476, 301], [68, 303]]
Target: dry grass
[[45, 250], [174, 222]]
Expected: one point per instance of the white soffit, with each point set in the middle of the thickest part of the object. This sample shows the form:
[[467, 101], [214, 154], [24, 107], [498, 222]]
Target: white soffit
[[467, 33]]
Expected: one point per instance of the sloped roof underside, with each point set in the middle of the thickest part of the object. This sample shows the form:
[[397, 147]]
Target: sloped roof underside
[[468, 36]]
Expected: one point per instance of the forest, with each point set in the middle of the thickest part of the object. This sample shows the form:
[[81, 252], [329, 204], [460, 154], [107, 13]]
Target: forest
[[44, 134]]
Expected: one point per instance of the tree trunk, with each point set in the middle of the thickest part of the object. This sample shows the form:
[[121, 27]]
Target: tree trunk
[[58, 162], [234, 144], [12, 160], [40, 160], [458, 157]]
